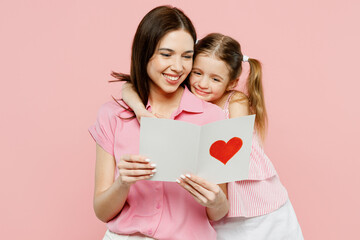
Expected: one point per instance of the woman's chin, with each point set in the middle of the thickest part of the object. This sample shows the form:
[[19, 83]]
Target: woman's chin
[[170, 89]]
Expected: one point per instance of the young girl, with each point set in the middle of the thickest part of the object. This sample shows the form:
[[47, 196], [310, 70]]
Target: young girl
[[162, 54], [259, 206]]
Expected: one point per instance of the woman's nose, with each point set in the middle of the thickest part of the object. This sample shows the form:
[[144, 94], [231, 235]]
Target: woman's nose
[[177, 65]]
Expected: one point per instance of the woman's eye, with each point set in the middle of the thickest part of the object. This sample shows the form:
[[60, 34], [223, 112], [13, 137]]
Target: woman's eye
[[197, 73], [165, 54], [188, 56]]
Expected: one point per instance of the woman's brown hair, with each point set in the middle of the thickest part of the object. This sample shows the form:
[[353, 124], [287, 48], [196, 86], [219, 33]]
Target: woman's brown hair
[[155, 25], [228, 50]]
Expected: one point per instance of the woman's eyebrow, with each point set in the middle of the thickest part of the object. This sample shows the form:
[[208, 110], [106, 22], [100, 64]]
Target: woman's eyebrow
[[166, 49], [170, 50], [189, 51]]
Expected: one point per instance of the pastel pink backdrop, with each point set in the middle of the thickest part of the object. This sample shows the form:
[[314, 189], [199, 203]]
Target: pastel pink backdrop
[[55, 59]]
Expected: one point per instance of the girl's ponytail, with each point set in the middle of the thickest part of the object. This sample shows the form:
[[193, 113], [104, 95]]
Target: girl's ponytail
[[256, 97]]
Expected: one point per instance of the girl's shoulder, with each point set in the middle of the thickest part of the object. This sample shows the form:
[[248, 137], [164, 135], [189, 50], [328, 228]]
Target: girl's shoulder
[[240, 97], [239, 105]]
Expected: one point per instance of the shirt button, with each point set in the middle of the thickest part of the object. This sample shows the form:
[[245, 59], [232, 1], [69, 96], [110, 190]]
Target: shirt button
[[150, 232], [158, 206]]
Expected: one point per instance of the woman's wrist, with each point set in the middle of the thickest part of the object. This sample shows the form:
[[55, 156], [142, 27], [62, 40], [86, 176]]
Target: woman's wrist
[[219, 210], [122, 186], [222, 203]]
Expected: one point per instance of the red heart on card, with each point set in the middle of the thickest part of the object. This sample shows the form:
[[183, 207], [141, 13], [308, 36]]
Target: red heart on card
[[223, 151]]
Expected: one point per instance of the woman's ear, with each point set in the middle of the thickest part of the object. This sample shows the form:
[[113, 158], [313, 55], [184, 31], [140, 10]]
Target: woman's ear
[[232, 84]]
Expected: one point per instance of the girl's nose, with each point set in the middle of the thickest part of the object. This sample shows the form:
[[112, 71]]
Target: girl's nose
[[203, 83]]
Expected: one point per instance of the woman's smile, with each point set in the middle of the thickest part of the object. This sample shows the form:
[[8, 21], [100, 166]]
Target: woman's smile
[[171, 78]]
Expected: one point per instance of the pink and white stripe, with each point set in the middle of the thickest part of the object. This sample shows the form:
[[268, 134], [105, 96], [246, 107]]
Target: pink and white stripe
[[262, 192]]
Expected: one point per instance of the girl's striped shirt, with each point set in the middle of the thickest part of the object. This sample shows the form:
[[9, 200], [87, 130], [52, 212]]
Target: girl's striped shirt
[[262, 192]]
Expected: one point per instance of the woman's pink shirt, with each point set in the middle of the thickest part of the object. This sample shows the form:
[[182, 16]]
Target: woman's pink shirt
[[162, 210]]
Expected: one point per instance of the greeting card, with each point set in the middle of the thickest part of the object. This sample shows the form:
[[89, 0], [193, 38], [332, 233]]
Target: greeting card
[[218, 151]]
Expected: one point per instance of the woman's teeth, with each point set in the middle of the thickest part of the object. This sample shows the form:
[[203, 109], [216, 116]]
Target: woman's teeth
[[171, 78]]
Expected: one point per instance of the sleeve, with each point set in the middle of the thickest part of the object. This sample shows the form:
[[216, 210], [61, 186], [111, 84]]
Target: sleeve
[[103, 131]]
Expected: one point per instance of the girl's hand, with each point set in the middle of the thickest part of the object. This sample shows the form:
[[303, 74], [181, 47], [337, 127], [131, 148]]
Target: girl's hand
[[142, 112], [133, 168], [208, 194]]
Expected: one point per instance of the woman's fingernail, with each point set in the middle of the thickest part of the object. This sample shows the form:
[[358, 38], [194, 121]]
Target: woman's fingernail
[[188, 175], [147, 160], [154, 170], [182, 176], [151, 175], [153, 165], [177, 180]]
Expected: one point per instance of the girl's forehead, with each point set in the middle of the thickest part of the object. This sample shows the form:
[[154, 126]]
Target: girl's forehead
[[211, 63], [209, 59], [208, 55]]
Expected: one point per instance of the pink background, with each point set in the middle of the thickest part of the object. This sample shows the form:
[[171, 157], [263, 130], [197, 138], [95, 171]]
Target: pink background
[[55, 60]]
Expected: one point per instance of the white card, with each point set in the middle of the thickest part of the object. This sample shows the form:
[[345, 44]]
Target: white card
[[179, 147]]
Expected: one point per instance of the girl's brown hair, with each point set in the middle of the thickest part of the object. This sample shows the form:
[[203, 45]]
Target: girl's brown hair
[[228, 50], [155, 25]]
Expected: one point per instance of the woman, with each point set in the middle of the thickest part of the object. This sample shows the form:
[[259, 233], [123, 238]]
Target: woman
[[161, 59]]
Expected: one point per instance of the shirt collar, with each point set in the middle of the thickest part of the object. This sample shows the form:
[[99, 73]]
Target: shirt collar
[[189, 103]]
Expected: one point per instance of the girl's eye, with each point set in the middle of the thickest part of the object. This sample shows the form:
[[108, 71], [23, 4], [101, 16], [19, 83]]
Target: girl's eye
[[188, 56], [216, 80], [165, 54], [197, 73]]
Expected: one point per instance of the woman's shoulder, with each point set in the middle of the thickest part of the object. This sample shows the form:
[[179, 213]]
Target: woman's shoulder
[[213, 110], [210, 107], [112, 108]]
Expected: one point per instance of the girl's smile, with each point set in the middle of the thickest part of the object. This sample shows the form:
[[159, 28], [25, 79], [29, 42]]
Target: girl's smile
[[201, 92]]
